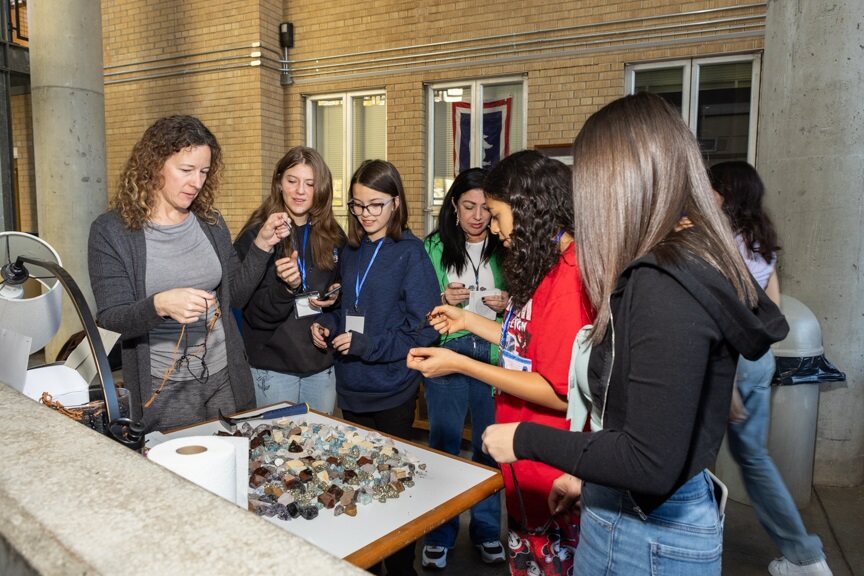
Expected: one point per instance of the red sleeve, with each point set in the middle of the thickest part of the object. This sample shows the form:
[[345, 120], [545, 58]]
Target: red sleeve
[[559, 311]]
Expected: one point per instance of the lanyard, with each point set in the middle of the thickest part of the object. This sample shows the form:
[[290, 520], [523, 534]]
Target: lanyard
[[301, 259], [358, 282], [558, 237], [506, 325], [479, 264]]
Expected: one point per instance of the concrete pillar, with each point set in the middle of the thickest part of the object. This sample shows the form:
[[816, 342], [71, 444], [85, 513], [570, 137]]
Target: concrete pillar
[[68, 134], [811, 155]]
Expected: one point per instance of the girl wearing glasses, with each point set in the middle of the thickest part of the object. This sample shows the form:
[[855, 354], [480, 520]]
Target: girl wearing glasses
[[528, 197], [467, 262], [388, 288], [276, 321]]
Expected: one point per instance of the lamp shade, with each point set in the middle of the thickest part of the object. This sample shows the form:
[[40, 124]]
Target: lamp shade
[[33, 311]]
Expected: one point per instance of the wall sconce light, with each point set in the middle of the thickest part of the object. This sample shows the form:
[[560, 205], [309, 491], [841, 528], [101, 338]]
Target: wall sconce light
[[286, 41]]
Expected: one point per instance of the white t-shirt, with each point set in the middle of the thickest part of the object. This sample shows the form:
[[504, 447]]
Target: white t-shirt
[[476, 276]]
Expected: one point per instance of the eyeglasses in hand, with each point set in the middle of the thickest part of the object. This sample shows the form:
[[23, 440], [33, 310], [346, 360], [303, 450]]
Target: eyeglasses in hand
[[373, 208]]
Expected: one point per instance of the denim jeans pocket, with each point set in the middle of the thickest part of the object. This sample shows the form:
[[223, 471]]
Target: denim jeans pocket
[[262, 379], [668, 560]]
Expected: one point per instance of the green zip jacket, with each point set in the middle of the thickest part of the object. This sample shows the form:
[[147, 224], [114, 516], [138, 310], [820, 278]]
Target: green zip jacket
[[435, 249]]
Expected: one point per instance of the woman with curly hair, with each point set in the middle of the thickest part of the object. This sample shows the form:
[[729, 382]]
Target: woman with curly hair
[[277, 319], [528, 197], [163, 270]]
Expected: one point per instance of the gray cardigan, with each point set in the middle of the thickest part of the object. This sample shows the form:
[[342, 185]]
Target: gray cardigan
[[117, 263]]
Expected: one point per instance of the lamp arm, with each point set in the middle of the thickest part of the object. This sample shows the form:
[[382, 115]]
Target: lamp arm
[[124, 430]]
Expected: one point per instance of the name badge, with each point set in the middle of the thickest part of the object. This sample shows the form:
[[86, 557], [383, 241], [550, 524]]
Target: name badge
[[354, 323], [512, 361], [303, 307]]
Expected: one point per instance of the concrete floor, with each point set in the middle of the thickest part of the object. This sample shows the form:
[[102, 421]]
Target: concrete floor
[[835, 514]]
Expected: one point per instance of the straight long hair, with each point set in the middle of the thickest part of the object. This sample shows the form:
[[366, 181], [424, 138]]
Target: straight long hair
[[742, 190], [454, 255], [637, 169], [381, 176], [537, 190], [325, 233]]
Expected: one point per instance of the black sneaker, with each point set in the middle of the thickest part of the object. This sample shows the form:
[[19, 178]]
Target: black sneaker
[[491, 552], [434, 557]]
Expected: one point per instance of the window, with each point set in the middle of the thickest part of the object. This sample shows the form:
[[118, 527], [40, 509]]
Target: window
[[718, 98], [460, 137], [346, 135]]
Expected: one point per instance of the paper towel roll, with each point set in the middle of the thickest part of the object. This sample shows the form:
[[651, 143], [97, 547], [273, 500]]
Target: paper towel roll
[[208, 461]]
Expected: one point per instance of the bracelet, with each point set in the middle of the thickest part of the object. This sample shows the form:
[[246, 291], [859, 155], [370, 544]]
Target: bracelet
[[443, 298]]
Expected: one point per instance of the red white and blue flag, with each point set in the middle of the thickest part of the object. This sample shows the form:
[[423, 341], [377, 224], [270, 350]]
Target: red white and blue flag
[[496, 133]]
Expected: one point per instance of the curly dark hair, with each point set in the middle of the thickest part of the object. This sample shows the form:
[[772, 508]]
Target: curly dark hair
[[327, 235], [538, 191], [140, 179], [453, 255], [742, 190]]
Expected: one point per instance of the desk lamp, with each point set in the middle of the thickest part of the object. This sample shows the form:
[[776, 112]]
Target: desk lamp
[[27, 259]]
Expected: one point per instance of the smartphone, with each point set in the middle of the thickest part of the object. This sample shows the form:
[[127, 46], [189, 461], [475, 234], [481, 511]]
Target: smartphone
[[329, 293]]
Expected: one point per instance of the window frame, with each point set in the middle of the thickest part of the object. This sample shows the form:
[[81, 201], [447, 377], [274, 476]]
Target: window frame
[[691, 70], [340, 197], [430, 208]]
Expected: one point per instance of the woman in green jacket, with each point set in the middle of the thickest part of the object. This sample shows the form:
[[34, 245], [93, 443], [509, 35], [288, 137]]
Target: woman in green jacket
[[466, 260]]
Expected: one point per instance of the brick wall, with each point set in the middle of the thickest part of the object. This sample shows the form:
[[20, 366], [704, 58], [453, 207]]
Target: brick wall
[[18, 20], [196, 57], [25, 173], [572, 56]]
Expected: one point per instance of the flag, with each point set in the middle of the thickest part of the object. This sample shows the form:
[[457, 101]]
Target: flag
[[496, 133]]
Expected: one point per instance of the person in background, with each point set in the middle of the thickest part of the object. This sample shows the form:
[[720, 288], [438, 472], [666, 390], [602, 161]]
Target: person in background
[[741, 191], [675, 307], [528, 197], [467, 262], [388, 288], [286, 365], [163, 271]]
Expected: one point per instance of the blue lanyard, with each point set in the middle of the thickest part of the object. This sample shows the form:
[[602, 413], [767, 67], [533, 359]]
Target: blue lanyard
[[505, 326], [558, 237], [301, 261], [358, 282]]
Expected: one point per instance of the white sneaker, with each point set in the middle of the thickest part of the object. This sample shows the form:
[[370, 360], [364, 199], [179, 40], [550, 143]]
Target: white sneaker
[[491, 552], [434, 557], [783, 567]]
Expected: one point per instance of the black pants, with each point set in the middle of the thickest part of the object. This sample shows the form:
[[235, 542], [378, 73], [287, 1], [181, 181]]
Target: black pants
[[395, 422]]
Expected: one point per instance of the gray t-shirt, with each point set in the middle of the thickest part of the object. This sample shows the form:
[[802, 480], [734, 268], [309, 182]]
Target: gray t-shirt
[[181, 256]]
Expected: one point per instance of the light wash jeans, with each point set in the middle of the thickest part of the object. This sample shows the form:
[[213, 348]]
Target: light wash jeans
[[317, 390], [449, 398], [682, 537], [768, 494]]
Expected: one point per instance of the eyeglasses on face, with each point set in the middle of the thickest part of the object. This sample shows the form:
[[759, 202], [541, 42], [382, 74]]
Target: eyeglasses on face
[[373, 208]]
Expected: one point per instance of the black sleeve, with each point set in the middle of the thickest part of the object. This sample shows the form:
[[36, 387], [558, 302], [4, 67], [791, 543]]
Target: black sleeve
[[272, 302], [671, 338]]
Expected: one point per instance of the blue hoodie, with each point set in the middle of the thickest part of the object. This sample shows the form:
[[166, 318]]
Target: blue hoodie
[[398, 292]]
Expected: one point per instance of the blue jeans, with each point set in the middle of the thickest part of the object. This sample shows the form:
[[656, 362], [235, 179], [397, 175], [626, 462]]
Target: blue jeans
[[449, 399], [317, 390], [684, 536], [768, 494]]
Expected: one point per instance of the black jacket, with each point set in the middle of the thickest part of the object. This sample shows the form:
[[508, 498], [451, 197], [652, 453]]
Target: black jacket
[[677, 331], [275, 339]]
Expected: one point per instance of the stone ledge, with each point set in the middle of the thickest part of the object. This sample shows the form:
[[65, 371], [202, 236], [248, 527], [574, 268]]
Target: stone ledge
[[73, 501]]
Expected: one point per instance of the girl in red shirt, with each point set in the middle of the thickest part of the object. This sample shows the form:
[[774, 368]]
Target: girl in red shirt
[[529, 198]]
